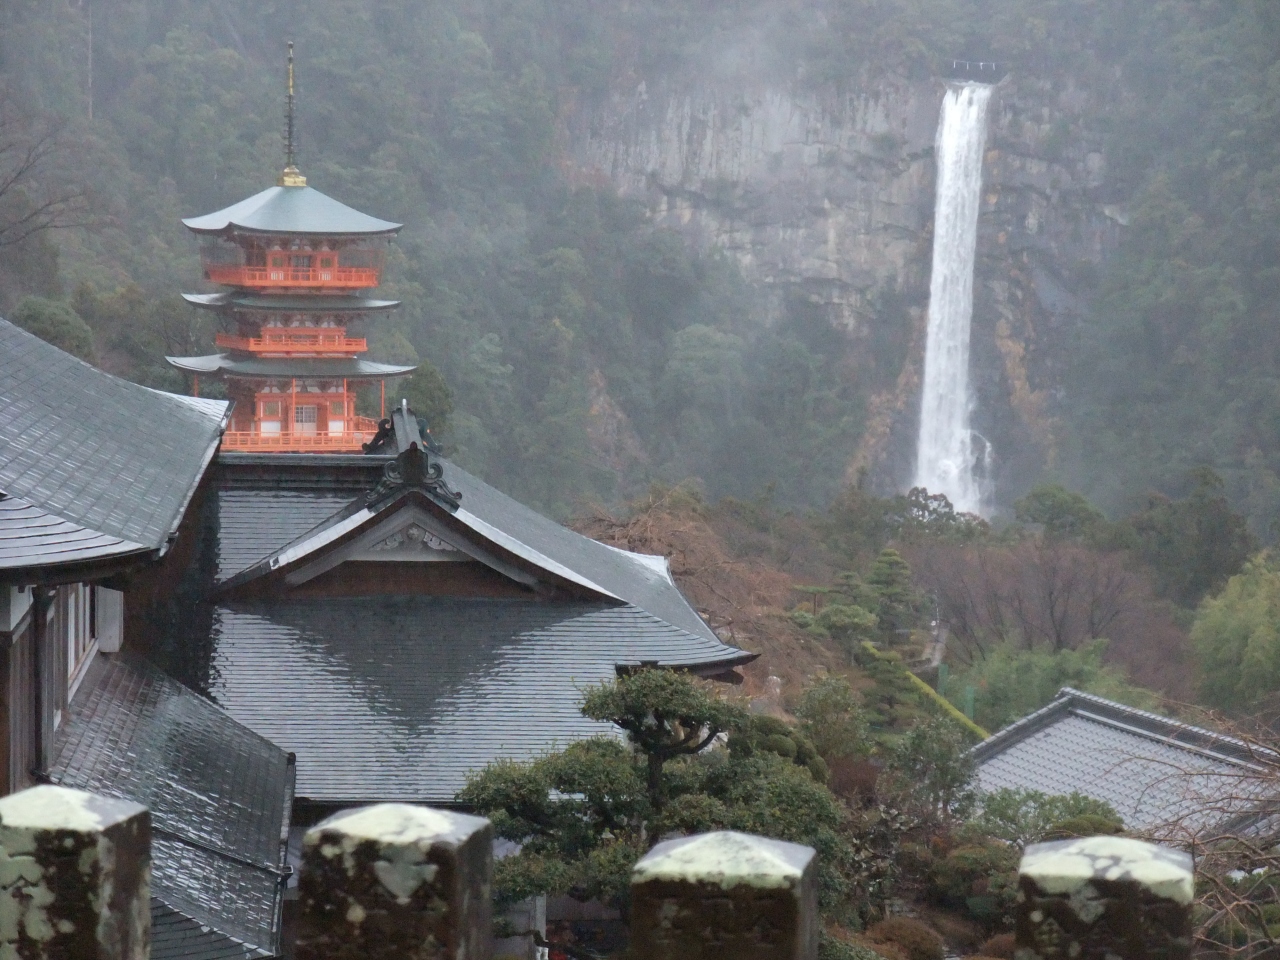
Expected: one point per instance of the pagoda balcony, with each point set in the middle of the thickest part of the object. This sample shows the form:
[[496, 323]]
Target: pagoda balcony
[[309, 340], [360, 430], [316, 278]]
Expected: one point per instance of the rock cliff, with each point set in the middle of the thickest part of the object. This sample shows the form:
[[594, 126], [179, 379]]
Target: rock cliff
[[825, 198]]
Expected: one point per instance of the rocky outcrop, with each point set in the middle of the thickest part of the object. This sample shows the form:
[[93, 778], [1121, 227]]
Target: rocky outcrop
[[826, 198]]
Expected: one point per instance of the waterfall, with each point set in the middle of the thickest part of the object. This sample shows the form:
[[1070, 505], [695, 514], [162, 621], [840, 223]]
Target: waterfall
[[950, 457]]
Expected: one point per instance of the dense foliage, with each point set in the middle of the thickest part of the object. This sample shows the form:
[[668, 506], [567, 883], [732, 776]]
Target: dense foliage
[[585, 352]]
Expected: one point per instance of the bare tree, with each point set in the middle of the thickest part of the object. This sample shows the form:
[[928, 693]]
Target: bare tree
[[36, 192]]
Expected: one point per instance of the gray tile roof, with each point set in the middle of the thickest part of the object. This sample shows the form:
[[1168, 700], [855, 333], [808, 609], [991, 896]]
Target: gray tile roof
[[399, 698], [319, 368], [253, 525], [291, 210], [219, 794], [89, 458], [1154, 771], [175, 936], [302, 303]]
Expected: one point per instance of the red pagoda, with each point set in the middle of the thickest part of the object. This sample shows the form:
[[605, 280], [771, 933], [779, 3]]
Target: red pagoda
[[298, 266]]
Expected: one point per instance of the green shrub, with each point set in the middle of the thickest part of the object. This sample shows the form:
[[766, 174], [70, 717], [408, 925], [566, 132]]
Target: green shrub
[[1029, 816], [917, 939], [831, 948], [980, 878]]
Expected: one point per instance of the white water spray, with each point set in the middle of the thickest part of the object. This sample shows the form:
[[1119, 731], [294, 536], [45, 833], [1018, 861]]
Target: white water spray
[[950, 457]]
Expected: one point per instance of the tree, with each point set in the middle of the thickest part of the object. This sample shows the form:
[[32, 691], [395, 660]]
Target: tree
[[1061, 513], [1011, 682], [897, 600], [1021, 817], [35, 194], [931, 773], [55, 323], [583, 816], [832, 717], [1236, 636], [1194, 544], [666, 715]]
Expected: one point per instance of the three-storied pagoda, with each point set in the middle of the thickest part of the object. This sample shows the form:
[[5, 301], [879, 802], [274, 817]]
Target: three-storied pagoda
[[299, 265]]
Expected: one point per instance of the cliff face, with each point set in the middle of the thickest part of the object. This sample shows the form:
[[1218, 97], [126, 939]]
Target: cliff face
[[826, 200]]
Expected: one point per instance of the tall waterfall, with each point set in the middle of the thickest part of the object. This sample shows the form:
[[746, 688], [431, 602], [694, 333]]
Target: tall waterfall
[[950, 457]]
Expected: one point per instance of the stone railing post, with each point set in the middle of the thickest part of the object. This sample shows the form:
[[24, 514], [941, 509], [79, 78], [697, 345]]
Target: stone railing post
[[75, 876], [720, 895], [1103, 898], [396, 882]]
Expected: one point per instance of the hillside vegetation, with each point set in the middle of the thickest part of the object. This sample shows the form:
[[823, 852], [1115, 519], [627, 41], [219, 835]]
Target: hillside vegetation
[[586, 353]]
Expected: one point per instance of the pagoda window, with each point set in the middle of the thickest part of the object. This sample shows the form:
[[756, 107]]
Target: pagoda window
[[304, 419], [326, 263], [271, 409], [277, 260], [302, 262]]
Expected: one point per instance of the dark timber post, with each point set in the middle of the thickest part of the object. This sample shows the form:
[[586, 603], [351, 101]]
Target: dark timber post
[[721, 895], [75, 875], [1101, 898], [396, 882]]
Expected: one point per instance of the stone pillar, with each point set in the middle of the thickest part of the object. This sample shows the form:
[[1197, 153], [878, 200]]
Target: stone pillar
[[75, 876], [396, 882], [720, 895], [1103, 898]]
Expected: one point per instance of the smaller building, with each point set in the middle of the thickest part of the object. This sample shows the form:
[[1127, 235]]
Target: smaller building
[[1159, 774], [98, 478]]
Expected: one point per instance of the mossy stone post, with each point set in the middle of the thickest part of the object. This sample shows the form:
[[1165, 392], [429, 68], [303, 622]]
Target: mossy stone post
[[1104, 898], [720, 895], [75, 877], [396, 882]]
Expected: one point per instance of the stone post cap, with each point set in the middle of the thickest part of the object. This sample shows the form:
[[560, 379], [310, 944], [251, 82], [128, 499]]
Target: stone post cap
[[50, 807], [397, 824], [1065, 866], [728, 859]]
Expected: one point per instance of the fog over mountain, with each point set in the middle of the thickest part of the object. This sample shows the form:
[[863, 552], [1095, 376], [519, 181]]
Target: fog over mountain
[[665, 240]]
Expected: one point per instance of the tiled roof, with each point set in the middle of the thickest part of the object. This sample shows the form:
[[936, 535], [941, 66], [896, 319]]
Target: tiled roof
[[219, 794], [291, 210], [400, 697], [253, 523], [175, 936], [321, 368], [302, 303], [1153, 770], [88, 458]]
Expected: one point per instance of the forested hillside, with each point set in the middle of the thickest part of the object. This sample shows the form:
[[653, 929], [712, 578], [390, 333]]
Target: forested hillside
[[587, 352]]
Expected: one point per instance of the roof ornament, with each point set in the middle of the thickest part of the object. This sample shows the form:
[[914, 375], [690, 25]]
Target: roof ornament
[[413, 466], [290, 177]]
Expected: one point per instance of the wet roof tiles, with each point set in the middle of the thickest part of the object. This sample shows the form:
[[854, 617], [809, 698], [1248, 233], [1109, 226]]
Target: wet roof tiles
[[219, 794], [399, 698], [301, 303], [291, 210], [88, 458], [319, 368], [1154, 771]]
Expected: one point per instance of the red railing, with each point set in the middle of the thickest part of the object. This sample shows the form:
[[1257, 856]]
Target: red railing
[[333, 278], [295, 339], [360, 430]]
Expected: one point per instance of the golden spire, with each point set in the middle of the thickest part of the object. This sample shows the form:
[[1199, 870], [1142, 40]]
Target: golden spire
[[291, 177]]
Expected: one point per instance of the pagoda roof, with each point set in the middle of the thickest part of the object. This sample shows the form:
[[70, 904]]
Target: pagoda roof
[[92, 467], [291, 210], [311, 368], [293, 303]]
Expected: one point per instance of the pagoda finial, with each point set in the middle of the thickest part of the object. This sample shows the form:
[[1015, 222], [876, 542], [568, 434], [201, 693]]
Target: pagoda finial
[[291, 177]]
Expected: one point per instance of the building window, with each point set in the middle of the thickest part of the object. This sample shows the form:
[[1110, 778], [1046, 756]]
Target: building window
[[277, 261], [271, 408], [304, 419], [335, 408]]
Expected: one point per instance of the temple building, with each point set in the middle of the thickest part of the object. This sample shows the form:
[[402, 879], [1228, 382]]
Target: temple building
[[298, 266]]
